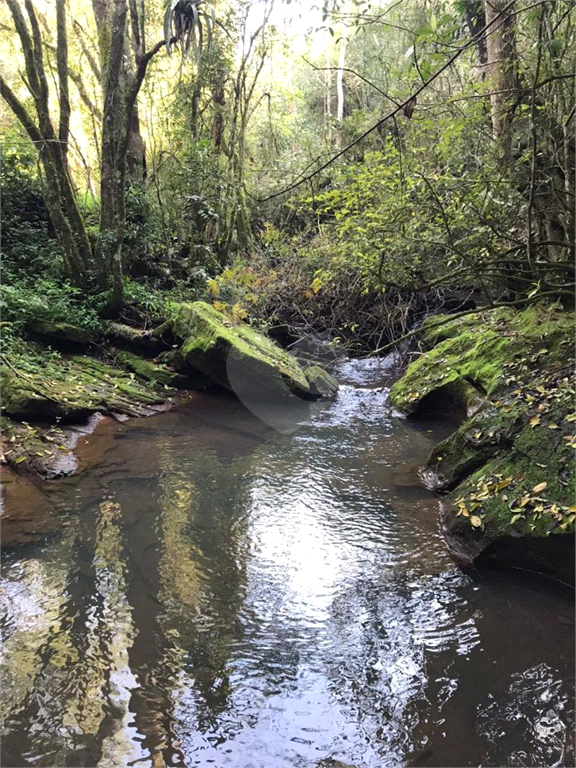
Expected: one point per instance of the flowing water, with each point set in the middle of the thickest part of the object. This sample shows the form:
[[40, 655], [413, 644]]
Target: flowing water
[[223, 595]]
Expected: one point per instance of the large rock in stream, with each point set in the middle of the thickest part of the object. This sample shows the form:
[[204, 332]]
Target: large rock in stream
[[236, 356], [507, 473]]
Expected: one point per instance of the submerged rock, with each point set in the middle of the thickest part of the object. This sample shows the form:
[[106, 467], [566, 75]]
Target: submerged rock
[[508, 469], [229, 352], [26, 512]]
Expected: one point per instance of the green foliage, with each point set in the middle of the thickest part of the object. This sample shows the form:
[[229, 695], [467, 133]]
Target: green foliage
[[27, 239], [23, 302], [149, 300]]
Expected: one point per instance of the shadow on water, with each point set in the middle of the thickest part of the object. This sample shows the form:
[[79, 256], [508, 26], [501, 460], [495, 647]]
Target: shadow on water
[[221, 594]]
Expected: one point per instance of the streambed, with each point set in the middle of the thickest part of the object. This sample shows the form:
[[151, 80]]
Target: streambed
[[223, 594]]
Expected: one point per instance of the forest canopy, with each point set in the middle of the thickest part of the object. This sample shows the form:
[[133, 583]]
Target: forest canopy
[[345, 164]]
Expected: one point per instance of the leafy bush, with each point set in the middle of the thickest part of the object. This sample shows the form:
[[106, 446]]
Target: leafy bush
[[28, 245], [21, 303]]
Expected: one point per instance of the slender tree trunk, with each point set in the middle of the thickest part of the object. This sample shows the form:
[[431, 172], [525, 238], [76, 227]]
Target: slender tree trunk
[[219, 99], [502, 67], [476, 21], [341, 64], [328, 98], [113, 170], [51, 142]]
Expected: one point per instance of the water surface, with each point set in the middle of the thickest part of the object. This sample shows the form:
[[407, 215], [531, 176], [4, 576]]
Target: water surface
[[220, 594]]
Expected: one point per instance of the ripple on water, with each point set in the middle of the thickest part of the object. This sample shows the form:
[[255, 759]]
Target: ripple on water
[[227, 596], [533, 723]]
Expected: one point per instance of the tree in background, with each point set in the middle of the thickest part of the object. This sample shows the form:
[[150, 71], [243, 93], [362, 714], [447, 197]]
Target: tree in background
[[121, 26]]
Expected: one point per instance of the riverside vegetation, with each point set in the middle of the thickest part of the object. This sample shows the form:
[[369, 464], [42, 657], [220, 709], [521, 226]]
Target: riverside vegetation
[[422, 162]]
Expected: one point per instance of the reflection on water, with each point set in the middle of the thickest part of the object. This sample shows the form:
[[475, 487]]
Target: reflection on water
[[221, 594]]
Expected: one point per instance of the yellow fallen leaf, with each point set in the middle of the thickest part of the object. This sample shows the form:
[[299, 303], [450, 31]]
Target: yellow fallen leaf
[[539, 487], [475, 521], [570, 417], [553, 426], [534, 421]]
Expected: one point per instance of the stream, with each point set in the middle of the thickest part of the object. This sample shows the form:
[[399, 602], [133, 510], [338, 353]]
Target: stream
[[224, 595]]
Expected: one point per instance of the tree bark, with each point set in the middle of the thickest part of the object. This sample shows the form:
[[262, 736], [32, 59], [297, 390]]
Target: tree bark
[[502, 68], [52, 145], [341, 65], [476, 21]]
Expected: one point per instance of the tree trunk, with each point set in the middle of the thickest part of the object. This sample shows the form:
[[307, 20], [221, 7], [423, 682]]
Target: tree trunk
[[113, 171], [502, 68], [476, 21], [219, 99], [341, 64], [136, 158], [51, 143]]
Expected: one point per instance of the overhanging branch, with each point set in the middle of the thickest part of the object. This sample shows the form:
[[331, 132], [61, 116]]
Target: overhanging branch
[[20, 111]]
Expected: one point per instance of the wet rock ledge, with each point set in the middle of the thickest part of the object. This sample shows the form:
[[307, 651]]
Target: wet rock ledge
[[65, 375], [506, 475]]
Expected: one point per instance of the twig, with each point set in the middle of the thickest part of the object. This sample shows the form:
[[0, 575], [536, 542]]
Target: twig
[[397, 109], [457, 315]]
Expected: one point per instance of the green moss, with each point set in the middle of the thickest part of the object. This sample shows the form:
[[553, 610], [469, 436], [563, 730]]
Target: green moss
[[520, 440], [148, 370], [71, 388], [210, 337], [473, 361], [322, 384], [60, 332]]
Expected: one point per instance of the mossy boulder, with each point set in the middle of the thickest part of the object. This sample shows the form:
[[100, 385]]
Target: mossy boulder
[[464, 363], [508, 469], [70, 389], [230, 352], [156, 373], [322, 384], [60, 334]]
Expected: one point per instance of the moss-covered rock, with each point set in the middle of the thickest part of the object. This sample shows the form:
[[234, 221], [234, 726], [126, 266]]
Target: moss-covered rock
[[322, 384], [463, 364], [156, 373], [509, 468], [59, 333], [39, 450], [223, 349], [70, 389]]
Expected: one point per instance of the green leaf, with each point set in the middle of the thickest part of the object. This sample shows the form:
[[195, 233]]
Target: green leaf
[[168, 26]]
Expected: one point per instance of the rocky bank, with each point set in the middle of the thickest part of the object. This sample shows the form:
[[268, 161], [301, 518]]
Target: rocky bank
[[506, 475]]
